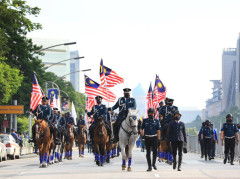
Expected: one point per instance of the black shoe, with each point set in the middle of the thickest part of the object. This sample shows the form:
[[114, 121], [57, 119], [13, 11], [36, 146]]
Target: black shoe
[[225, 161], [154, 167], [205, 159], [149, 169], [232, 163], [179, 169], [174, 165]]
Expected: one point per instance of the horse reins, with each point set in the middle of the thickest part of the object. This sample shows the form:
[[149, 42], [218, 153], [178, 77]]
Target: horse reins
[[132, 127]]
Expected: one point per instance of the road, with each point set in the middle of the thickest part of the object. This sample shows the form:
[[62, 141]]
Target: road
[[193, 167]]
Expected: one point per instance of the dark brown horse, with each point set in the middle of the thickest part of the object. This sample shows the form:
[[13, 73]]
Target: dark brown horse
[[82, 139], [100, 140], [70, 142], [43, 140]]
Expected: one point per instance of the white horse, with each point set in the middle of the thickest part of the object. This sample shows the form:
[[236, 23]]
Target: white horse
[[128, 135]]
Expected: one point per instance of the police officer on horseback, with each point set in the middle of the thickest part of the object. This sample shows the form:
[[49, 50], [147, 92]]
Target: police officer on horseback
[[230, 137], [70, 121], [123, 103], [98, 111], [43, 111], [53, 121], [81, 123]]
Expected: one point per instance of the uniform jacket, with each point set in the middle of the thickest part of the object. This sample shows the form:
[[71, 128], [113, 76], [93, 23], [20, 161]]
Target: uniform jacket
[[177, 131], [150, 127], [124, 104], [98, 111], [43, 112], [229, 129]]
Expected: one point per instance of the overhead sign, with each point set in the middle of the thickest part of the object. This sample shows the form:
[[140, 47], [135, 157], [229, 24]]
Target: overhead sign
[[11, 109]]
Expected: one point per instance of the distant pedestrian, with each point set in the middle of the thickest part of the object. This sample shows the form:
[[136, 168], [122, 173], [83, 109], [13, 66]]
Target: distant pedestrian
[[200, 140], [20, 141], [15, 136], [207, 136], [229, 136], [214, 141]]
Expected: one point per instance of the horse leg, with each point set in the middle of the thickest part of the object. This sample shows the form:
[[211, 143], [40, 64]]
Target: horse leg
[[71, 151], [45, 158], [123, 157], [102, 153], [40, 156], [97, 156], [130, 148]]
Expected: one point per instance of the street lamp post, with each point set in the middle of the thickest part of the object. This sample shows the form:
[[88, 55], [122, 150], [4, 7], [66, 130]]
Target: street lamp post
[[76, 58], [65, 44]]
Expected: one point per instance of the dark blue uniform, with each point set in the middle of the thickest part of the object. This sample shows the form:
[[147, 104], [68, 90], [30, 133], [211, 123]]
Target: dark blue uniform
[[81, 122], [62, 123], [166, 112], [177, 135], [70, 121], [43, 112], [201, 142], [150, 128], [123, 104], [207, 133], [98, 111], [229, 139]]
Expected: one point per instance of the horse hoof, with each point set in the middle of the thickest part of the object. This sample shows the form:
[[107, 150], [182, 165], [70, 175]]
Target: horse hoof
[[97, 163], [44, 165], [129, 169], [56, 161], [101, 164], [60, 160], [40, 166], [108, 161]]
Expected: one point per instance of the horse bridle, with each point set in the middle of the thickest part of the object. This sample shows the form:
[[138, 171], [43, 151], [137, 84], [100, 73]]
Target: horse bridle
[[132, 127], [41, 135]]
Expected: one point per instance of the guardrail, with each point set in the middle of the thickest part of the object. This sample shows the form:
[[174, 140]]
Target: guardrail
[[194, 147], [27, 147]]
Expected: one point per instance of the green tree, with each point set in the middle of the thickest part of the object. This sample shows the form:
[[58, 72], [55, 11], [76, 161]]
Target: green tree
[[10, 81]]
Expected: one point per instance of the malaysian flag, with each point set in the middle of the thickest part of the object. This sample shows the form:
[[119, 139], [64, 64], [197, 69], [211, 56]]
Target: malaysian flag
[[150, 97], [90, 102], [36, 94], [159, 94], [102, 75], [112, 78], [92, 88]]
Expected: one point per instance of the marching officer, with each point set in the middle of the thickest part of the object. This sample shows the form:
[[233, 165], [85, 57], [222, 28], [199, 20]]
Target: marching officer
[[42, 111], [81, 123], [230, 136], [123, 103], [207, 136], [200, 141], [97, 111], [177, 137], [151, 130]]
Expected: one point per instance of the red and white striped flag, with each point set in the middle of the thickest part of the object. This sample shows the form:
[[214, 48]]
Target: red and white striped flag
[[36, 95], [150, 97], [92, 88], [159, 94]]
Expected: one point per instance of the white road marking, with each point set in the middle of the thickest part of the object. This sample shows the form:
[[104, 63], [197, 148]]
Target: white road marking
[[156, 175]]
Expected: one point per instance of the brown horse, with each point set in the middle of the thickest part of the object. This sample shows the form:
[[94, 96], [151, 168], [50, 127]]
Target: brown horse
[[100, 140], [82, 139], [43, 140], [70, 142]]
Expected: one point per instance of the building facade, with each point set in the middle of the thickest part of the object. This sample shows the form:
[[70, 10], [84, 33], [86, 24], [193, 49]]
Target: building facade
[[54, 55], [75, 70]]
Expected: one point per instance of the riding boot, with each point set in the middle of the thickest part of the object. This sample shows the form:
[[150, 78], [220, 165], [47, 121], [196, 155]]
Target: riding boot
[[33, 135], [56, 136], [149, 163], [225, 159], [174, 162], [179, 162], [232, 159], [154, 162]]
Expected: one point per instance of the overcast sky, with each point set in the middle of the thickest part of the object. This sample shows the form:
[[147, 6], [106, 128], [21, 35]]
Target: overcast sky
[[180, 40]]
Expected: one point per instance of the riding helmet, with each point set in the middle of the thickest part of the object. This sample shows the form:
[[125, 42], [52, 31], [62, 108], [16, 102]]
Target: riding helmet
[[151, 110], [229, 115]]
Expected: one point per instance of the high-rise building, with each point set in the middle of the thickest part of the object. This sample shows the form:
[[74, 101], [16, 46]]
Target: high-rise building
[[229, 58], [238, 74], [54, 55], [75, 70]]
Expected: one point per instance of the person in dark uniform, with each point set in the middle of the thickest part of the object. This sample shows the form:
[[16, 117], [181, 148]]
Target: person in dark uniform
[[81, 123], [151, 130], [123, 103], [177, 137], [97, 111], [70, 121], [207, 135], [230, 136], [167, 111], [200, 141], [53, 120], [214, 141], [42, 111]]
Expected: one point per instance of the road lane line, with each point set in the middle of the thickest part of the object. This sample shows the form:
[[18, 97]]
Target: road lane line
[[156, 175]]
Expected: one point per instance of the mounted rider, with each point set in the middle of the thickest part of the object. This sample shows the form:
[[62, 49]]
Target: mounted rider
[[81, 123], [123, 103], [167, 111], [43, 111], [53, 121], [70, 121], [98, 111]]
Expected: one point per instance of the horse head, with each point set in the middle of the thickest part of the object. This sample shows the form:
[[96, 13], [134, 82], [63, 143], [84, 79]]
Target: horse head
[[38, 128], [70, 130], [132, 119], [100, 126]]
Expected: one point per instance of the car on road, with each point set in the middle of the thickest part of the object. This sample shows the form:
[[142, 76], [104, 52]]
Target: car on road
[[3, 151], [13, 149]]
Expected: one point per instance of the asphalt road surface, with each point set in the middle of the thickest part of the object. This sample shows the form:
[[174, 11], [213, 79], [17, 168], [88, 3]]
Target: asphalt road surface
[[192, 167]]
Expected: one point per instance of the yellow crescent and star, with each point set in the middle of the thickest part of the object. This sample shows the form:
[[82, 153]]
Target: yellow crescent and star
[[90, 81]]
